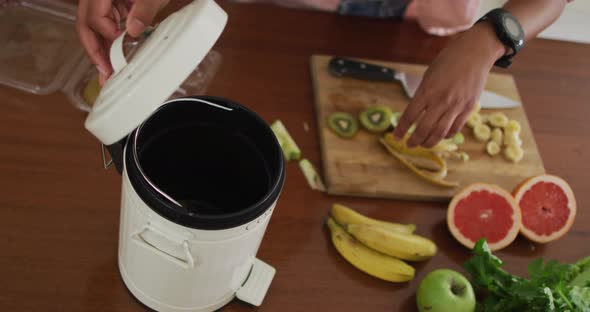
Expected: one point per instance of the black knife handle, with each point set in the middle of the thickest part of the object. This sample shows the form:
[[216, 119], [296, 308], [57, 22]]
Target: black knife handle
[[343, 67]]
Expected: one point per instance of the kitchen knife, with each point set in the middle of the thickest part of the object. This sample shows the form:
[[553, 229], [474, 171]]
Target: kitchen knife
[[342, 67]]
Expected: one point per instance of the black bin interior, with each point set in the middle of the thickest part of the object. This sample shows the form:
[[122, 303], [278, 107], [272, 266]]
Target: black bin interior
[[218, 164]]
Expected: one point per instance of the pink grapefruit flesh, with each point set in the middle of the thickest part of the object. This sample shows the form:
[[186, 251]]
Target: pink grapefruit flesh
[[484, 211], [548, 208]]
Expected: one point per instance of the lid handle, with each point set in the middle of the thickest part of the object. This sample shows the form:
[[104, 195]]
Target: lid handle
[[117, 54]]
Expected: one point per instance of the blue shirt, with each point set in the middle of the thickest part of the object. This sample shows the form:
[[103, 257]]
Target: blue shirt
[[374, 8]]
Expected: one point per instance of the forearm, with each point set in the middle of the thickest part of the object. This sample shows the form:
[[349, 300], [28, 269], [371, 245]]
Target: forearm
[[535, 15]]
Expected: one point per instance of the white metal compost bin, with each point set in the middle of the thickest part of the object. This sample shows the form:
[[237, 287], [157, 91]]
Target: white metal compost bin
[[201, 175]]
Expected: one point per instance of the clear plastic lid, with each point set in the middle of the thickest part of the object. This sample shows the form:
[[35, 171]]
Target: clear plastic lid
[[82, 88], [40, 47]]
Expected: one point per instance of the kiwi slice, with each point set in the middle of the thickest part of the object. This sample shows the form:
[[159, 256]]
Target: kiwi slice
[[376, 118], [343, 124]]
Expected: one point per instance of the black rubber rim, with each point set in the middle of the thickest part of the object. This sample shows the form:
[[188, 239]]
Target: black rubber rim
[[178, 215]]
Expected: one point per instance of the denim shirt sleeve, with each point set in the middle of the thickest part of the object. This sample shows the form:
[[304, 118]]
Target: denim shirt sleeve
[[374, 8]]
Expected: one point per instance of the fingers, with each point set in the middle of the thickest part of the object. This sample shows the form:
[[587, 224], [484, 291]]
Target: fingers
[[97, 54], [459, 123], [426, 125], [91, 41], [410, 116], [142, 14], [440, 129], [121, 12], [106, 27], [96, 26]]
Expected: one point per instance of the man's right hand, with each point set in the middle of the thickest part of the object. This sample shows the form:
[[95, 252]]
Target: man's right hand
[[99, 22]]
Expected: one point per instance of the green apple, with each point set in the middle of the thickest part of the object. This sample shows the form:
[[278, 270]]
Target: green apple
[[445, 290]]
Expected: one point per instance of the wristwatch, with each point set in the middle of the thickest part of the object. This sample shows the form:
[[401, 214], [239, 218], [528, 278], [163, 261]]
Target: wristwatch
[[509, 32]]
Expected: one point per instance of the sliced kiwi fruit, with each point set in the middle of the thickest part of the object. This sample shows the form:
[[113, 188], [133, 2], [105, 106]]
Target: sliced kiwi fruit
[[376, 118], [343, 124]]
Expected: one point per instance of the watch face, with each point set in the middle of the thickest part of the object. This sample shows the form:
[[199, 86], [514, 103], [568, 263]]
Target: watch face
[[512, 27]]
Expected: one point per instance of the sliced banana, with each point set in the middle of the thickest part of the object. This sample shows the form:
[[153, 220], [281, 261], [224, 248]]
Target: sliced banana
[[445, 146], [497, 136], [455, 155], [512, 138], [493, 148], [485, 119], [474, 120], [498, 120], [512, 126], [464, 156], [482, 132], [513, 153]]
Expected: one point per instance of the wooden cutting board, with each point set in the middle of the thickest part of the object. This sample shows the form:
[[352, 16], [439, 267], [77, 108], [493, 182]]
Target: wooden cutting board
[[362, 167]]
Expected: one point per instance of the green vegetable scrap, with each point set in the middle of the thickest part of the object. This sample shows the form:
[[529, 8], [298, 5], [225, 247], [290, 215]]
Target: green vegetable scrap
[[311, 175], [552, 286], [290, 148]]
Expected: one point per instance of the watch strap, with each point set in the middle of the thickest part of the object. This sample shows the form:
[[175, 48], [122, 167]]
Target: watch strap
[[495, 17]]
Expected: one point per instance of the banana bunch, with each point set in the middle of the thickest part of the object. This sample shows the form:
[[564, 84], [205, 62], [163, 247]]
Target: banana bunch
[[376, 247]]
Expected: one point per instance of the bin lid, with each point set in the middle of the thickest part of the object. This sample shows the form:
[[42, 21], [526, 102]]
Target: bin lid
[[166, 58], [40, 47]]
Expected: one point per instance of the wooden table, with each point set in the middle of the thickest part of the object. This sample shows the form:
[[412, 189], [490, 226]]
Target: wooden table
[[59, 209]]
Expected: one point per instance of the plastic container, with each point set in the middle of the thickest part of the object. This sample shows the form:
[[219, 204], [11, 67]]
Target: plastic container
[[40, 45], [42, 54]]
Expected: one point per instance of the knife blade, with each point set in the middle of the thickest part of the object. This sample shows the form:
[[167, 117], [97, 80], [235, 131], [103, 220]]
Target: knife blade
[[343, 67]]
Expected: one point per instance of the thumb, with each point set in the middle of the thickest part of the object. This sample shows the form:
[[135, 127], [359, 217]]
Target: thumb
[[142, 14]]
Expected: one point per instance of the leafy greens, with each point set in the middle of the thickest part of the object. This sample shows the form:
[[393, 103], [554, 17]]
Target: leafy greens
[[552, 286]]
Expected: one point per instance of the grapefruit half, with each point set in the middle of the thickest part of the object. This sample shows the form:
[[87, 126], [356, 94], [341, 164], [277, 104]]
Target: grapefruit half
[[548, 208], [484, 211]]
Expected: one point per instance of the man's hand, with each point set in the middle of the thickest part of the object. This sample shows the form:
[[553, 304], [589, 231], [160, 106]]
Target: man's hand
[[99, 22], [450, 88], [455, 80]]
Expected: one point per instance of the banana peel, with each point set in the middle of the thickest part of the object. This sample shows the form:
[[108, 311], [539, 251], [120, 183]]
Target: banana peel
[[408, 157], [420, 157]]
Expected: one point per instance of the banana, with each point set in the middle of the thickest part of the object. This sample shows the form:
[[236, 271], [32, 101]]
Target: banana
[[497, 136], [474, 120], [514, 153], [403, 246], [493, 148], [445, 146], [345, 215], [512, 138], [512, 126], [498, 120], [482, 132], [368, 260]]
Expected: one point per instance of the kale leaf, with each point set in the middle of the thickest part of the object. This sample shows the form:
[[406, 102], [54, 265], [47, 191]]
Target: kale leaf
[[548, 287]]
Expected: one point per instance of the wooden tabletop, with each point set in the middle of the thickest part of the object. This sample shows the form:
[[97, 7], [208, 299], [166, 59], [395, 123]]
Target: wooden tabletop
[[59, 209]]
